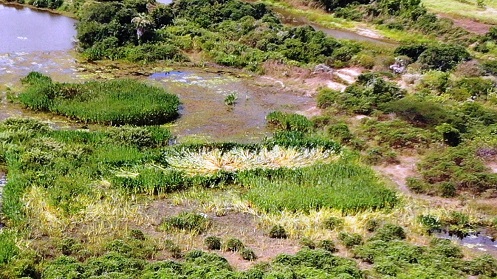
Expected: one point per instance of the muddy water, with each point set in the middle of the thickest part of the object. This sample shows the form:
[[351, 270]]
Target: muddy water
[[204, 112], [479, 241], [26, 30], [292, 20]]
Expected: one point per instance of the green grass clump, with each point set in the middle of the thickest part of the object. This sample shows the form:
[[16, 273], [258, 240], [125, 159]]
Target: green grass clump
[[115, 102], [187, 221], [8, 248], [342, 185]]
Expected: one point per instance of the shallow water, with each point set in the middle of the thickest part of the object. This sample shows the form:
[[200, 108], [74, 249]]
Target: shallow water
[[204, 113], [25, 30], [292, 20], [477, 241]]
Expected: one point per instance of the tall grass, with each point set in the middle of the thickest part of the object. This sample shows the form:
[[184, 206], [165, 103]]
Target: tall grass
[[342, 185], [115, 102]]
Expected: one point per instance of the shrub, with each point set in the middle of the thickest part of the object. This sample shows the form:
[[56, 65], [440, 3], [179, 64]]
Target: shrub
[[443, 57], [431, 223], [248, 254], [333, 223], [69, 246], [390, 232], [326, 97], [212, 242], [187, 221], [483, 265], [173, 248], [137, 234], [327, 245], [307, 242], [234, 245], [372, 225], [350, 240], [277, 231]]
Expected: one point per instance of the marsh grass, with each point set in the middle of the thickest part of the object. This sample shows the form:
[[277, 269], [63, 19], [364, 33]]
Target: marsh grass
[[208, 161], [115, 102], [340, 185]]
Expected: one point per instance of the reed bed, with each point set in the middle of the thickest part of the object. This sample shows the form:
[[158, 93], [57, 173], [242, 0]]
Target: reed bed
[[115, 102]]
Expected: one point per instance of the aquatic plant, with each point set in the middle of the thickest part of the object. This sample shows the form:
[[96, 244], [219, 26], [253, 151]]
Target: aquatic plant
[[115, 102]]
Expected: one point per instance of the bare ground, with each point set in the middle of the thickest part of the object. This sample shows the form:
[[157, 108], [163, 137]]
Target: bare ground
[[468, 24], [243, 226]]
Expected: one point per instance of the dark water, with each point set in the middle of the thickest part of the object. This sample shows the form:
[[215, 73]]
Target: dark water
[[26, 30]]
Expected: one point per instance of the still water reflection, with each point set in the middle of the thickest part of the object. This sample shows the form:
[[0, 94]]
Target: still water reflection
[[26, 30]]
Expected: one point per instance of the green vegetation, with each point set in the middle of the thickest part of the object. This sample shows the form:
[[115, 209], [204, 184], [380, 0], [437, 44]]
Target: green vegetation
[[116, 102], [187, 221], [343, 185]]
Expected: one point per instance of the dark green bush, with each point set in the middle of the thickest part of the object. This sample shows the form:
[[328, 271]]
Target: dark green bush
[[333, 223], [443, 57], [277, 231], [212, 242], [390, 232], [248, 254], [483, 265], [327, 245]]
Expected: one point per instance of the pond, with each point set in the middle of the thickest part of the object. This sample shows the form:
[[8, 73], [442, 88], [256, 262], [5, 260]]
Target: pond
[[477, 241], [27, 30], [204, 112]]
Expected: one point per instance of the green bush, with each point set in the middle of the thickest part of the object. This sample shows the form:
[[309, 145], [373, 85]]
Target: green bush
[[306, 242], [369, 93], [333, 223], [483, 265], [350, 240], [277, 231], [443, 57], [390, 232], [327, 245], [212, 242], [248, 254], [234, 245]]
